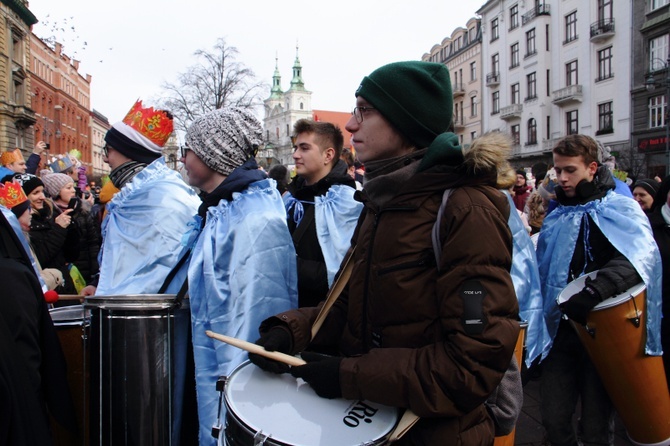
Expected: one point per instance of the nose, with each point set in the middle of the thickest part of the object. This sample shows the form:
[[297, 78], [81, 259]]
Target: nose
[[352, 125]]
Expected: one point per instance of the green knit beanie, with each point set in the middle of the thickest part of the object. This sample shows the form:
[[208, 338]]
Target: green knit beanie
[[415, 97]]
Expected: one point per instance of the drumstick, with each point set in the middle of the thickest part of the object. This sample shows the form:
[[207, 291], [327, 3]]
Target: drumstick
[[257, 349], [70, 297]]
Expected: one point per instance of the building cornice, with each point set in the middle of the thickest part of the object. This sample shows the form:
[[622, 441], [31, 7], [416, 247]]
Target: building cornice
[[20, 8]]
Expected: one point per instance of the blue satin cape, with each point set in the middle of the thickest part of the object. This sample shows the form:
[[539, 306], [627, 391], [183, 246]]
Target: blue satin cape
[[242, 270], [624, 224], [142, 232]]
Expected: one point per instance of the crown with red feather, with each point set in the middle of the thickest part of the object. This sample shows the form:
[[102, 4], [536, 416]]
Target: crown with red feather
[[11, 194]]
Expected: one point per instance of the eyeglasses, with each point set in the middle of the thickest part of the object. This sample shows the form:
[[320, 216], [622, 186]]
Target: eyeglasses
[[360, 111], [105, 150], [184, 150]]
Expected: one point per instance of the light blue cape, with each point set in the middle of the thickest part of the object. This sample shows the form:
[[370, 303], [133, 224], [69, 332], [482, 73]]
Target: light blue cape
[[624, 224], [336, 215], [142, 232], [526, 280], [242, 270]]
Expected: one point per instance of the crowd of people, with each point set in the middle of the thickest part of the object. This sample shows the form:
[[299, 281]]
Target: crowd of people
[[439, 255]]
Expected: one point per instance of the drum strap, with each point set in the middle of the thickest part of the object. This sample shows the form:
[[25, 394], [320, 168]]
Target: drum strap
[[170, 277]]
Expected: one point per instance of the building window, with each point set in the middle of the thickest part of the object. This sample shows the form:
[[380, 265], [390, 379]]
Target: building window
[[657, 106], [473, 136], [516, 134], [473, 71], [495, 64], [495, 31], [605, 64], [514, 55], [655, 4], [548, 136], [473, 106], [571, 73], [514, 17], [530, 43], [495, 102], [17, 46], [548, 80], [658, 52], [572, 120], [605, 9], [570, 27], [516, 93], [532, 131], [605, 124], [531, 83]]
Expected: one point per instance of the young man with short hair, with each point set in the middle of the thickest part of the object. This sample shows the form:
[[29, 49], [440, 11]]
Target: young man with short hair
[[409, 333], [591, 229], [320, 206]]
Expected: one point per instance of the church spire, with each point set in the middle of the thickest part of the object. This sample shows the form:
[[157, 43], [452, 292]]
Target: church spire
[[296, 82], [276, 91]]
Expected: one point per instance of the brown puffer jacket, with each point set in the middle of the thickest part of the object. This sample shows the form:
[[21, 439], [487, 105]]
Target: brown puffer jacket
[[437, 343]]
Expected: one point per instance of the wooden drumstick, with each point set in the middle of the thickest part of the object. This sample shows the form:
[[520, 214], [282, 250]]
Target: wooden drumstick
[[257, 349], [71, 297]]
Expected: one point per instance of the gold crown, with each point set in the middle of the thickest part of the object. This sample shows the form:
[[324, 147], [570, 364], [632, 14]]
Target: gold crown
[[11, 194], [11, 157], [155, 125]]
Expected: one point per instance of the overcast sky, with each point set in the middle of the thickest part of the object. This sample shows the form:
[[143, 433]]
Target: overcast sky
[[131, 47]]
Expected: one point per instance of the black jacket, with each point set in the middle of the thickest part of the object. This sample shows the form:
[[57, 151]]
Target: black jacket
[[89, 244], [312, 272]]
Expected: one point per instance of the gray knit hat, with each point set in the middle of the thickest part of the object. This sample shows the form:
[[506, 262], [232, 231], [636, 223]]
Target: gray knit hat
[[225, 138], [54, 182]]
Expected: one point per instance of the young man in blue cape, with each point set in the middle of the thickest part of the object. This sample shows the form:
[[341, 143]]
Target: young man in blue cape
[[242, 267], [593, 228]]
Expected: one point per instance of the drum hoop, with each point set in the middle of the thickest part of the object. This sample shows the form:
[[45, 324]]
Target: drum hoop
[[83, 315], [379, 440], [134, 302], [613, 301]]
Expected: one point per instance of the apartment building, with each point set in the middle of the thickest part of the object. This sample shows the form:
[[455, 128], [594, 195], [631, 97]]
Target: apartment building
[[650, 86], [551, 72], [462, 54]]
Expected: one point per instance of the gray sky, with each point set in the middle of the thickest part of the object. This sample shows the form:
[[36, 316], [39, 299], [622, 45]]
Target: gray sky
[[131, 47]]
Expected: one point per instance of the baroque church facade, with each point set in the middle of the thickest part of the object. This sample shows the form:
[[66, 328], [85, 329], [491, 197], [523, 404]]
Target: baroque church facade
[[282, 110]]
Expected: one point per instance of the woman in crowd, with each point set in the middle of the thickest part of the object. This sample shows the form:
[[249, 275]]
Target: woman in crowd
[[644, 192]]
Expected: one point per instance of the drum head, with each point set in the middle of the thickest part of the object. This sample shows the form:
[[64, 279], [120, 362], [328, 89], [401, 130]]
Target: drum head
[[73, 314], [288, 411], [577, 285]]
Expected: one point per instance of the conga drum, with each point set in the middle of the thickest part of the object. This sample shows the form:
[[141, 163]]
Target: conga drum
[[269, 409], [133, 368], [614, 338], [508, 440], [72, 327]]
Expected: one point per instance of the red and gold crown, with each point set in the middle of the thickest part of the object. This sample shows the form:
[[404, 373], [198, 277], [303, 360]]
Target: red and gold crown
[[155, 125], [11, 194], [11, 157]]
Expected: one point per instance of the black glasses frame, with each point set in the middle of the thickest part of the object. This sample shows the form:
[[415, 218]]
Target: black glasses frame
[[358, 112]]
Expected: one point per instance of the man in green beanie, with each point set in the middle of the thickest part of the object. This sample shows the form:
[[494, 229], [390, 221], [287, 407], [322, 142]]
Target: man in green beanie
[[428, 331]]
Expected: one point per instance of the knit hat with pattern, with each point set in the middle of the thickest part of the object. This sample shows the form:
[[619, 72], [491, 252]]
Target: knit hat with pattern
[[225, 138], [54, 182]]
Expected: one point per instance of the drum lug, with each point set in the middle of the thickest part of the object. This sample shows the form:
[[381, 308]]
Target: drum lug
[[260, 438], [590, 331], [635, 321], [216, 431]]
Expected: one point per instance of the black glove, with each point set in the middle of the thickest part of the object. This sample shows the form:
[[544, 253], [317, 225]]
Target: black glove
[[274, 340], [322, 372], [580, 304]]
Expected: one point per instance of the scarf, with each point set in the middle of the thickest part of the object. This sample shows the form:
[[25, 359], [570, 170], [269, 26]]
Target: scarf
[[125, 173], [384, 179]]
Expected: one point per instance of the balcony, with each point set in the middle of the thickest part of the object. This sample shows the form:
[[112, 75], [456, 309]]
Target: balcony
[[458, 89], [511, 112], [492, 79], [536, 11], [459, 125], [602, 30], [569, 94]]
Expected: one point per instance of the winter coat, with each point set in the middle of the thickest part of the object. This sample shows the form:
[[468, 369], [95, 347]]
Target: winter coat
[[89, 243], [308, 212], [435, 342], [54, 246]]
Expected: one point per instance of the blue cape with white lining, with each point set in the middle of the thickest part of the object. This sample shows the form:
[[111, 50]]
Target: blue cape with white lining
[[526, 280], [242, 270], [624, 224], [335, 215], [142, 232]]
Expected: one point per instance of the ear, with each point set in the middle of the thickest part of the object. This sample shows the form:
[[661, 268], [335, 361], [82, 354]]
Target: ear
[[328, 155], [593, 167]]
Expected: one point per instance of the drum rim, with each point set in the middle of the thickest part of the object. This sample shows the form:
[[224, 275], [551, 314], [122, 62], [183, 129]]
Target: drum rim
[[84, 315], [606, 303], [139, 302], [378, 440]]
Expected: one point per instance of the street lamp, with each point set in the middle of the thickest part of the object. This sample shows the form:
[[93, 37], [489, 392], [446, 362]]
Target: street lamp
[[651, 84]]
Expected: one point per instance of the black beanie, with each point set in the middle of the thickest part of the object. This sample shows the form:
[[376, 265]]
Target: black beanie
[[27, 181], [648, 184], [129, 148], [415, 97]]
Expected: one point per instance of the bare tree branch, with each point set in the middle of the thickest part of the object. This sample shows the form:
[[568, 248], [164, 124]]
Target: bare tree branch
[[218, 80]]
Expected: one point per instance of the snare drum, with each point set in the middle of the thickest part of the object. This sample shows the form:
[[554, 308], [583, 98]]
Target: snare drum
[[72, 326], [614, 339], [268, 409]]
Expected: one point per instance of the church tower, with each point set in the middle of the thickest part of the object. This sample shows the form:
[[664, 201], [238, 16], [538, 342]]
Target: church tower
[[282, 110]]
